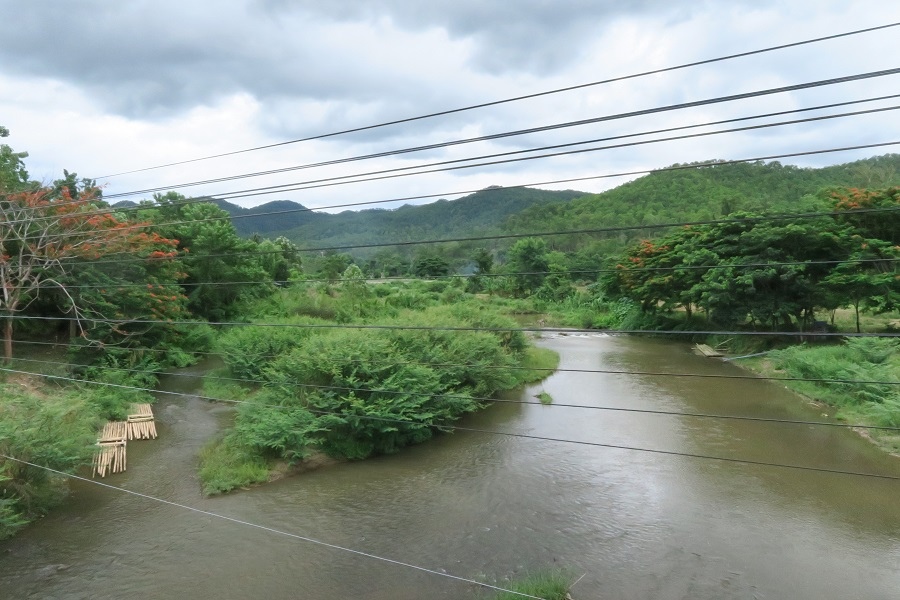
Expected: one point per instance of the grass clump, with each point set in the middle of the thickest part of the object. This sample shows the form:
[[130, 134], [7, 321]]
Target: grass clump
[[538, 364], [227, 464], [545, 398], [552, 585]]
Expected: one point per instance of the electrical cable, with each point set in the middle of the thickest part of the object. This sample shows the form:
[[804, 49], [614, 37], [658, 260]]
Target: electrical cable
[[446, 427], [270, 529], [516, 98], [117, 210], [536, 149], [651, 332], [424, 169], [552, 233], [625, 173], [486, 400], [281, 284]]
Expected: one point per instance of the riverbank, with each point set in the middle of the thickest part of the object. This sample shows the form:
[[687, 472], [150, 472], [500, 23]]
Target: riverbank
[[271, 438], [854, 392]]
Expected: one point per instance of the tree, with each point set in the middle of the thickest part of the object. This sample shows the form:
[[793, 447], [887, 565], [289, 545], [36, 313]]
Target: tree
[[880, 225], [43, 238], [484, 262], [332, 265], [868, 278], [280, 258], [527, 261], [13, 176], [429, 264], [221, 268]]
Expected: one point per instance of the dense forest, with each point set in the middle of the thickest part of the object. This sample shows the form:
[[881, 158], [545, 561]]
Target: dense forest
[[349, 367]]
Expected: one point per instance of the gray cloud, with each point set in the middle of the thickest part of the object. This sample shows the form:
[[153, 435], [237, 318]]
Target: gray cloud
[[533, 36], [149, 60], [153, 59]]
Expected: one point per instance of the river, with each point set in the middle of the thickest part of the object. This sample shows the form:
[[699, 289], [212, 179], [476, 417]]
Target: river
[[636, 525]]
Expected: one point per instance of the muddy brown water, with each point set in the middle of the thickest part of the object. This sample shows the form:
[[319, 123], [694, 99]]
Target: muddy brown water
[[488, 507]]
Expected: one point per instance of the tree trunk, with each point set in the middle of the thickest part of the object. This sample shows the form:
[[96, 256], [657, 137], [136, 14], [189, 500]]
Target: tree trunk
[[856, 308]]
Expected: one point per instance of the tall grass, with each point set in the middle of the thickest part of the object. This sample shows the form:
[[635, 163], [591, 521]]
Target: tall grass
[[226, 464], [549, 585], [855, 360]]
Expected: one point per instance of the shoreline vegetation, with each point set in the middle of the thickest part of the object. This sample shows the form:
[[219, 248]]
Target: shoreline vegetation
[[313, 395], [855, 359]]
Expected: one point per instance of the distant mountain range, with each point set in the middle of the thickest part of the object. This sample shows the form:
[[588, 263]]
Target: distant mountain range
[[482, 212], [681, 193]]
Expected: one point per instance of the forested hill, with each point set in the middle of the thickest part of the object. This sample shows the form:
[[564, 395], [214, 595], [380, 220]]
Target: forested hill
[[270, 219], [693, 193], [703, 193], [482, 212]]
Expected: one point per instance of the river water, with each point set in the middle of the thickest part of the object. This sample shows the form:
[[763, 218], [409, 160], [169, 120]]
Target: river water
[[636, 525]]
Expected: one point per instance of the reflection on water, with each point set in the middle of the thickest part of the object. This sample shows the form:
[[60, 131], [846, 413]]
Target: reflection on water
[[639, 525]]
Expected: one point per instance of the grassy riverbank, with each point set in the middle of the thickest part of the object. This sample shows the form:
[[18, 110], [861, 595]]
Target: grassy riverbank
[[423, 355], [861, 363]]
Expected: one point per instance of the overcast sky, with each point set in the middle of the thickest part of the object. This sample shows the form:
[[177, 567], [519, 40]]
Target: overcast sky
[[100, 87]]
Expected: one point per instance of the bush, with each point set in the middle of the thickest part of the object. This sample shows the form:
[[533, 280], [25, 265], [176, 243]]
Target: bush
[[56, 432], [354, 393], [247, 349]]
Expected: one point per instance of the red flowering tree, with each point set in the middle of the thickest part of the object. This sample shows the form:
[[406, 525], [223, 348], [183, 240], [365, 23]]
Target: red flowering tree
[[46, 241]]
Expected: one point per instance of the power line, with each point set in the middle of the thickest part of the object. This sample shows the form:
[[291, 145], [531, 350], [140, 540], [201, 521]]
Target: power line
[[508, 401], [551, 233], [621, 174], [451, 328], [405, 171], [281, 284], [516, 152], [270, 529], [419, 148], [448, 427], [410, 171], [518, 98]]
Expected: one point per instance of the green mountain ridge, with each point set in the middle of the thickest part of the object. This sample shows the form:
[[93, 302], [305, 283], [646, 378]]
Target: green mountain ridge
[[681, 193]]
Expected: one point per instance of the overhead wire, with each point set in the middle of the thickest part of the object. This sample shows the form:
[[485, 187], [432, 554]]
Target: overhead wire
[[454, 164], [449, 427], [488, 400], [325, 326], [506, 236], [575, 273], [303, 538], [187, 201], [554, 146], [519, 98]]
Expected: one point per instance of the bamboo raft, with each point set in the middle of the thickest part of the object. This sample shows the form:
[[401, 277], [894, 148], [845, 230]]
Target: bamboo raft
[[140, 424], [113, 439], [707, 351], [110, 455]]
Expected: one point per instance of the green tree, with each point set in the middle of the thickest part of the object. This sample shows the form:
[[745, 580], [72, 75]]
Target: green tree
[[430, 264], [484, 263], [221, 268], [45, 238], [333, 264], [868, 279], [528, 264], [13, 175]]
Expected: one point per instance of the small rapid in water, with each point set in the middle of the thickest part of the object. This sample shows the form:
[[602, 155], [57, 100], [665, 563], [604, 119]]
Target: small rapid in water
[[637, 525]]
